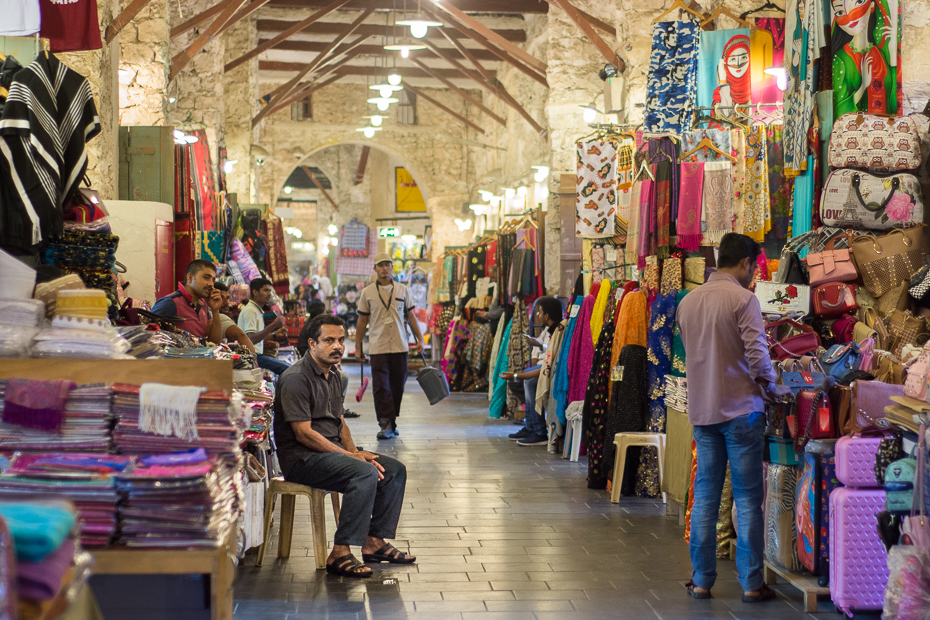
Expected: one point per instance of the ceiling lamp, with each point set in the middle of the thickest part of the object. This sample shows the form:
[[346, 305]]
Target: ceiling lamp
[[385, 89], [485, 195], [419, 25], [332, 229], [542, 173], [369, 131], [404, 46], [376, 120], [383, 103], [395, 79]]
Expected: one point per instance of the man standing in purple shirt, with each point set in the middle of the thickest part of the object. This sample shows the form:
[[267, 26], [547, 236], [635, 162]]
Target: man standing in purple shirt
[[730, 375]]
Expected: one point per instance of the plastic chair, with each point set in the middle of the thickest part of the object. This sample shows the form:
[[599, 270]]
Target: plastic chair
[[572, 439], [289, 492], [624, 441]]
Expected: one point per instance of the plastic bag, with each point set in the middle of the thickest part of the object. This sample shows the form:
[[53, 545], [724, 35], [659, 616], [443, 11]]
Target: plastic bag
[[907, 596]]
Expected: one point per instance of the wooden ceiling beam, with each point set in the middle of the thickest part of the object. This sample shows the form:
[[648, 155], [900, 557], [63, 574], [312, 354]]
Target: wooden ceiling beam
[[364, 71], [313, 66], [320, 187], [509, 7], [373, 30], [306, 90], [585, 26], [222, 21], [447, 110], [469, 56], [286, 34], [362, 165], [198, 19], [378, 50], [350, 52], [491, 36], [123, 19], [462, 93]]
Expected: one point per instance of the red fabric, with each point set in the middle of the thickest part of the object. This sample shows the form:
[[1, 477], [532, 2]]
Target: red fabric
[[739, 86], [70, 25]]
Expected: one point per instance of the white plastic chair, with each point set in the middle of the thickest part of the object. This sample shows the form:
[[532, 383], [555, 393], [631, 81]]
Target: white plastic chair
[[624, 441]]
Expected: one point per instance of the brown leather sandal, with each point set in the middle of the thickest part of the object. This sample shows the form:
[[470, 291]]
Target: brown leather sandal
[[690, 587]]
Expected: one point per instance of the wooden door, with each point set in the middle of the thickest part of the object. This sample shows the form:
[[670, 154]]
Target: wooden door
[[570, 247], [164, 258]]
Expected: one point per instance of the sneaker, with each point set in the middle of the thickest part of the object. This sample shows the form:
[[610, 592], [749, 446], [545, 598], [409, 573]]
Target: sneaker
[[385, 432], [348, 413], [534, 440], [520, 434], [394, 430]]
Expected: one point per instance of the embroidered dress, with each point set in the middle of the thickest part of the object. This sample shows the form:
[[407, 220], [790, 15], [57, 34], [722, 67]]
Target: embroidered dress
[[678, 345], [779, 186], [596, 188], [689, 206], [758, 203], [594, 421], [518, 353], [672, 78], [629, 402], [716, 208], [659, 362]]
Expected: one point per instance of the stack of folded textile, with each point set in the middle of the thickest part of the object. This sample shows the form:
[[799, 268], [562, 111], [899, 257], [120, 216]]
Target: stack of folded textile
[[92, 256], [178, 500], [87, 479], [80, 328], [83, 424], [20, 320], [676, 393]]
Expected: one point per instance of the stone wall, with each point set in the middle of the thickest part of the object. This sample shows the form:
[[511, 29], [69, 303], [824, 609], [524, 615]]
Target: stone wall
[[240, 88], [144, 61]]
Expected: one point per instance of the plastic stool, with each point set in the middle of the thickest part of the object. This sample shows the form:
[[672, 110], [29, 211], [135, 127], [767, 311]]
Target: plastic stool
[[623, 441], [289, 492], [572, 439]]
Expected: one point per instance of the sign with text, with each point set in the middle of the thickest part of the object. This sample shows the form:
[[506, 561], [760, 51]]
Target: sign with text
[[388, 231]]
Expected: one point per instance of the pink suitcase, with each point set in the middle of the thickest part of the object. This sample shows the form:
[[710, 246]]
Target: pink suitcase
[[855, 459], [858, 563]]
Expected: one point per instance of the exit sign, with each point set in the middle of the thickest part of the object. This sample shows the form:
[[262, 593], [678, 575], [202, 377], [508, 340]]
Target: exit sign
[[389, 231]]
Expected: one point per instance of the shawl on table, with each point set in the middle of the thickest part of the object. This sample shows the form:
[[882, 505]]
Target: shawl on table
[[581, 356]]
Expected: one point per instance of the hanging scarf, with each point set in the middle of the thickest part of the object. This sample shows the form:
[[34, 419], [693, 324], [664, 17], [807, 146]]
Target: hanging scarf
[[689, 206], [594, 416], [664, 150], [597, 314], [631, 250], [659, 362], [596, 188], [560, 383], [779, 187], [758, 206], [804, 38], [647, 206], [672, 78], [716, 207], [663, 210], [581, 355], [739, 185], [629, 401], [499, 385]]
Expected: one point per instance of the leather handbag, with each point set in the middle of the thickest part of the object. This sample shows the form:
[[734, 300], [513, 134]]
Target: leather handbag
[[834, 299], [797, 379], [803, 340], [844, 329], [853, 199], [889, 369], [887, 261], [916, 384], [866, 354], [876, 142], [841, 359], [814, 419], [904, 328], [777, 298], [831, 266], [868, 405], [895, 299], [919, 285], [841, 401]]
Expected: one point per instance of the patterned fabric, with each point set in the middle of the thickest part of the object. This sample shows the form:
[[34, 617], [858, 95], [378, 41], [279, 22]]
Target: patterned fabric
[[277, 253], [738, 173], [594, 420], [518, 352], [478, 350], [716, 208], [719, 137], [678, 345], [354, 239], [689, 205], [596, 188], [758, 204], [663, 207], [632, 237], [581, 356], [629, 402], [779, 186], [671, 276], [624, 166], [358, 265], [650, 278], [804, 34], [672, 78], [664, 149], [34, 403], [647, 210], [659, 363], [597, 263]]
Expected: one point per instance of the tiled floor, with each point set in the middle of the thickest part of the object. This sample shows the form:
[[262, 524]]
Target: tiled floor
[[500, 532]]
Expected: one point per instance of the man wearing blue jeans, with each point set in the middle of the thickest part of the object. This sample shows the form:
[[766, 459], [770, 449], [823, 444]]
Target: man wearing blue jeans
[[534, 431], [252, 322], [730, 376]]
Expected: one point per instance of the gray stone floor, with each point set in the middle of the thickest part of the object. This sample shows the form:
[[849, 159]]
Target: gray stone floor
[[501, 532]]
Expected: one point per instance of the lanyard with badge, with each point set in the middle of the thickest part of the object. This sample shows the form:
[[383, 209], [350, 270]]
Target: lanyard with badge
[[388, 320]]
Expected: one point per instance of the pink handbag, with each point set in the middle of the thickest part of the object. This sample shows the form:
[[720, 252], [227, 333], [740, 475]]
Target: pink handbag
[[831, 266], [869, 401], [916, 384], [867, 352]]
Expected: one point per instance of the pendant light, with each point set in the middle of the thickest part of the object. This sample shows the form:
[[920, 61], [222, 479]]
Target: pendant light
[[404, 46], [395, 79], [386, 89], [383, 103], [419, 24]]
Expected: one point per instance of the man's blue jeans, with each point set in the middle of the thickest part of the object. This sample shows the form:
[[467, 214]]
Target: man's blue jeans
[[273, 364], [534, 422], [739, 441]]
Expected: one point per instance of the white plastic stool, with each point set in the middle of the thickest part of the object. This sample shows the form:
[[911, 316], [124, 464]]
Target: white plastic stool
[[572, 439], [624, 441]]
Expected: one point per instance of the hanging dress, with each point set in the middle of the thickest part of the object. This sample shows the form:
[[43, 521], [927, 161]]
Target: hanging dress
[[581, 356], [560, 382], [594, 420]]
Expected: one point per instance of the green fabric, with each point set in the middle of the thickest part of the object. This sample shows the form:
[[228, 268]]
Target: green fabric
[[678, 347], [498, 385], [36, 530]]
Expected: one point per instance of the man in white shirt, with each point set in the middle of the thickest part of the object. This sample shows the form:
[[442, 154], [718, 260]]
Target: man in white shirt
[[534, 431], [386, 305], [252, 322], [231, 332]]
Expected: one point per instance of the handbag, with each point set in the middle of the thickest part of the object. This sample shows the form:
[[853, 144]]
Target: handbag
[[869, 399], [834, 298], [844, 329], [776, 419], [792, 375], [916, 384], [895, 299], [919, 285], [877, 142], [904, 328], [790, 270], [804, 340], [841, 401], [866, 353], [915, 529], [853, 199], [814, 418], [775, 298], [840, 360], [891, 259], [889, 369], [890, 449], [831, 266]]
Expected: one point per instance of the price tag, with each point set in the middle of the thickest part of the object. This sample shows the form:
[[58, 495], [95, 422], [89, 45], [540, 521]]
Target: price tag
[[574, 312], [616, 373], [808, 379], [388, 320], [610, 254], [824, 419]]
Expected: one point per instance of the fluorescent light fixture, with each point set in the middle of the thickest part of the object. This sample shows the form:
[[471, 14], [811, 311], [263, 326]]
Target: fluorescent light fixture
[[288, 189], [297, 245], [419, 25], [395, 79], [332, 229], [542, 173], [408, 239]]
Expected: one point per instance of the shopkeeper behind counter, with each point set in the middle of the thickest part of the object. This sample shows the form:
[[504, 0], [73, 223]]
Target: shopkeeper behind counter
[[194, 300]]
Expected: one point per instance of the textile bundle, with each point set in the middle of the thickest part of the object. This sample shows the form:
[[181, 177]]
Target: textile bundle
[[34, 403], [169, 410]]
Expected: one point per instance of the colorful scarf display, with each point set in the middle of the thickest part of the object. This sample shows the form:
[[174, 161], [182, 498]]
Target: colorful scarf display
[[34, 403], [716, 208], [758, 204], [779, 187], [738, 173], [804, 31], [631, 251], [689, 205], [672, 81]]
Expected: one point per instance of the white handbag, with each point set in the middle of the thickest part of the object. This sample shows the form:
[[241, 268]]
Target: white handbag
[[778, 298], [853, 199]]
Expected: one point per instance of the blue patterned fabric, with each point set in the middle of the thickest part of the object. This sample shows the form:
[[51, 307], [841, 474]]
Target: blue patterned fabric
[[560, 386], [673, 69]]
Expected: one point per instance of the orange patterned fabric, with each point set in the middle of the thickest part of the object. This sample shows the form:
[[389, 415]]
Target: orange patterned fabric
[[631, 325]]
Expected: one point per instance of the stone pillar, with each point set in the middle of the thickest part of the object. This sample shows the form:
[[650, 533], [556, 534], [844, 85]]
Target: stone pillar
[[241, 89], [143, 77], [99, 67]]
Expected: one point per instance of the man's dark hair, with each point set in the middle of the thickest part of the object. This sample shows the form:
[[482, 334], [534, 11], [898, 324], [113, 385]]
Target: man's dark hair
[[290, 303], [734, 247], [196, 266], [258, 284], [315, 309], [552, 307], [220, 286], [316, 325]]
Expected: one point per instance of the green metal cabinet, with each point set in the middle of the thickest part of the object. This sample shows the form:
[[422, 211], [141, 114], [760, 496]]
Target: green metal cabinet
[[146, 164]]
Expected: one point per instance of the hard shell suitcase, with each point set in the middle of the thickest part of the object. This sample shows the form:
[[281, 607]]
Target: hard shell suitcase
[[828, 484], [858, 562], [780, 547], [855, 459], [807, 512]]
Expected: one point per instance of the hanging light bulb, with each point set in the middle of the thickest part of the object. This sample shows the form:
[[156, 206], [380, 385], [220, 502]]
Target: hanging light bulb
[[386, 90], [404, 46], [590, 113], [376, 120], [419, 25], [332, 229], [395, 79], [383, 103], [288, 189], [542, 173], [369, 132], [485, 195]]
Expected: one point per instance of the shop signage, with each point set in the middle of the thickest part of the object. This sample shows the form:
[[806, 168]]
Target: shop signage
[[389, 231]]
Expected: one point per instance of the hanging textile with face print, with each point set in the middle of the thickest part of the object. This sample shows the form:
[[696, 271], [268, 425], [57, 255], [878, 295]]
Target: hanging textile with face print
[[723, 75]]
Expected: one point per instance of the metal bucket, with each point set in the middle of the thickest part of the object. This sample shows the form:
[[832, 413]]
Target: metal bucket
[[433, 382]]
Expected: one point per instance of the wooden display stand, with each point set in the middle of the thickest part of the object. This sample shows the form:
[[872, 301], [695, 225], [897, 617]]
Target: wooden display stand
[[211, 374], [807, 584]]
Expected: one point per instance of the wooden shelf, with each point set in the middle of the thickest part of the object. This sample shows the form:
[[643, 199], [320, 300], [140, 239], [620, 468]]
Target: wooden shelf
[[807, 584]]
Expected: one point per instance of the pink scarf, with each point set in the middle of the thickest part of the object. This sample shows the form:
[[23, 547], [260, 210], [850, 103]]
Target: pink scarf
[[581, 353], [35, 403], [689, 206], [647, 218]]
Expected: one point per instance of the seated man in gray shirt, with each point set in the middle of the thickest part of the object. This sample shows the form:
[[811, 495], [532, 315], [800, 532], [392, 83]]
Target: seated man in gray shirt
[[316, 449]]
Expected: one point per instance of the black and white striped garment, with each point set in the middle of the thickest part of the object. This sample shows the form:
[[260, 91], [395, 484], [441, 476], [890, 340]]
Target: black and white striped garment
[[48, 118]]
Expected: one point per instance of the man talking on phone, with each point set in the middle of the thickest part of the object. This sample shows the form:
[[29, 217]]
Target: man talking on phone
[[386, 305], [534, 431]]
